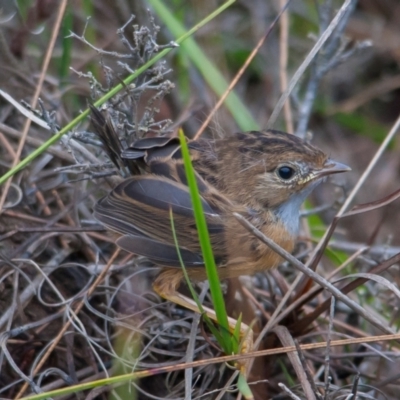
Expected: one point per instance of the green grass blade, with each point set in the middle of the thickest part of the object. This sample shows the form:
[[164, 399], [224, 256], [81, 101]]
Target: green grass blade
[[202, 229], [236, 335], [210, 73], [66, 45], [244, 388]]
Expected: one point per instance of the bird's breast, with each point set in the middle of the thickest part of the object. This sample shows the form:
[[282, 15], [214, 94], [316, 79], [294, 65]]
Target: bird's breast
[[247, 255]]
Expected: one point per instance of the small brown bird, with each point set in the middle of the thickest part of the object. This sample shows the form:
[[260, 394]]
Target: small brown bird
[[264, 176]]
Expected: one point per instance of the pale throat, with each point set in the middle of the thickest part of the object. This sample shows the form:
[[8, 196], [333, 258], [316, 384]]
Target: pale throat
[[289, 212]]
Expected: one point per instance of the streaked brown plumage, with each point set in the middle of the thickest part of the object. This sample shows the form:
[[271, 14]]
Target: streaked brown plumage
[[264, 176], [236, 174]]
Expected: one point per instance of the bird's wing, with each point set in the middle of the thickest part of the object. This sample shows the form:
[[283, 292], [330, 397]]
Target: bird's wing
[[158, 252], [146, 150], [139, 208], [162, 156]]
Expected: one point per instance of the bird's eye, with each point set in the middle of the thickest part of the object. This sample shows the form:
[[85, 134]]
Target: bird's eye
[[285, 172]]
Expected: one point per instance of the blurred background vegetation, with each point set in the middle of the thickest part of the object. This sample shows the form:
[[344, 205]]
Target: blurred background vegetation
[[347, 101]]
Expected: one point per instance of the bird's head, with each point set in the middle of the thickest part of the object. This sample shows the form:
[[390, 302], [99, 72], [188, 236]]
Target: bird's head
[[272, 168]]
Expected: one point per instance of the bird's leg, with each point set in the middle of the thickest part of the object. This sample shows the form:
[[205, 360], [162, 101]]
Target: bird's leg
[[166, 285]]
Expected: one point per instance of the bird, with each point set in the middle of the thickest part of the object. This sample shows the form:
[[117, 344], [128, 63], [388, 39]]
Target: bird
[[264, 176]]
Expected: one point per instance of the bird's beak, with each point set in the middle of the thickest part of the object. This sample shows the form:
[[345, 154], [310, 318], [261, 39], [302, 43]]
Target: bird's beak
[[332, 167]]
